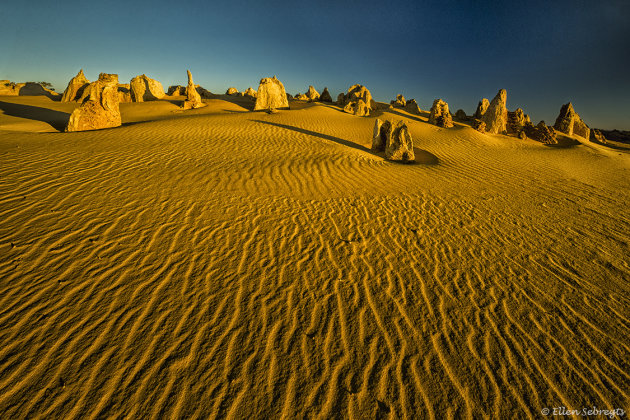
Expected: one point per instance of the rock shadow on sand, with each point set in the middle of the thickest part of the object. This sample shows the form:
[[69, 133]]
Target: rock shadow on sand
[[57, 119], [422, 156]]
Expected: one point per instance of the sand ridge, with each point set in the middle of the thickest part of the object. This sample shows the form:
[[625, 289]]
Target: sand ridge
[[228, 264]]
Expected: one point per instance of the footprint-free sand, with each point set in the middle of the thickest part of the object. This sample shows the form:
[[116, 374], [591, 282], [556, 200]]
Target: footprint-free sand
[[222, 263]]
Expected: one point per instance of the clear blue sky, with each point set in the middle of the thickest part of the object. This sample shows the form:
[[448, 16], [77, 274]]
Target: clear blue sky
[[544, 53]]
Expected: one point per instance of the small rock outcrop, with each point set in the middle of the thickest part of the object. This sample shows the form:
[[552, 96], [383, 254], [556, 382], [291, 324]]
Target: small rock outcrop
[[358, 108], [301, 97], [177, 90], [75, 87], [495, 116], [99, 108], [271, 95], [312, 94], [231, 91], [124, 92], [479, 125], [193, 98], [250, 93], [143, 88], [357, 101], [440, 115], [541, 132], [400, 101], [516, 121], [569, 122], [461, 115], [597, 137], [412, 107], [481, 108], [394, 140], [325, 96]]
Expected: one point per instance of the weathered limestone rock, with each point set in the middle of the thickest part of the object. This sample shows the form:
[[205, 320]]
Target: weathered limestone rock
[[75, 87], [394, 140], [271, 95], [400, 101], [341, 98], [176, 90], [358, 108], [521, 134], [542, 133], [325, 96], [461, 115], [357, 101], [99, 108], [312, 94], [412, 107], [515, 121], [193, 98], [250, 92], [597, 136], [301, 97], [25, 89], [124, 92], [440, 115], [231, 91], [495, 116], [481, 108], [479, 125], [569, 122], [144, 88]]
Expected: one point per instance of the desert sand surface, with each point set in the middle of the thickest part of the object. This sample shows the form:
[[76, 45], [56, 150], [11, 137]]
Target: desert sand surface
[[222, 263]]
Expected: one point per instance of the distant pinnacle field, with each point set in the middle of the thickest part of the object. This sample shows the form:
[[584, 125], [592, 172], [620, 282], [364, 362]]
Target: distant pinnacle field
[[218, 262]]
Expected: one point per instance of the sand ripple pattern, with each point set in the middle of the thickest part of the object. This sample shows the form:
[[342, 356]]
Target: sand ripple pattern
[[235, 268]]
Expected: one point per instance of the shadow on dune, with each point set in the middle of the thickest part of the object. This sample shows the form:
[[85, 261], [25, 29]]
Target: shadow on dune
[[564, 142], [400, 114], [422, 156], [35, 89], [57, 119], [320, 135]]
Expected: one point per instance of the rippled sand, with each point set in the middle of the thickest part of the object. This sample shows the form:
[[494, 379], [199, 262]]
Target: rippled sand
[[225, 263]]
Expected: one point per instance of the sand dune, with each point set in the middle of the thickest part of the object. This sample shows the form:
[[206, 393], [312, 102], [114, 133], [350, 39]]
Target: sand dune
[[228, 264]]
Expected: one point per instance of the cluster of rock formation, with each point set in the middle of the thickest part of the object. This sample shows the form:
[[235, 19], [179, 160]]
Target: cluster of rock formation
[[516, 121], [250, 92], [271, 95], [569, 122], [231, 91], [124, 92], [440, 115], [541, 132], [357, 101], [495, 115], [9, 88], [479, 125], [193, 98], [394, 140], [99, 106]]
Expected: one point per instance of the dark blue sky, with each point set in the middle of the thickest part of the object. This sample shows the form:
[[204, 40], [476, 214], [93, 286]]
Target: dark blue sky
[[543, 53]]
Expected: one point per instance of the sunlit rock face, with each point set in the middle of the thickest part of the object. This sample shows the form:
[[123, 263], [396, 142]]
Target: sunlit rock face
[[75, 87], [271, 95], [99, 106], [569, 122], [143, 88], [440, 115], [495, 116]]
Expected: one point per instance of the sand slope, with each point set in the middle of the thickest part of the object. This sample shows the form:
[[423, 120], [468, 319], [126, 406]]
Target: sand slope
[[226, 264]]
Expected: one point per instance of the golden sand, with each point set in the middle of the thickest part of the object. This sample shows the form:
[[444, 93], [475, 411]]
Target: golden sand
[[229, 264]]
